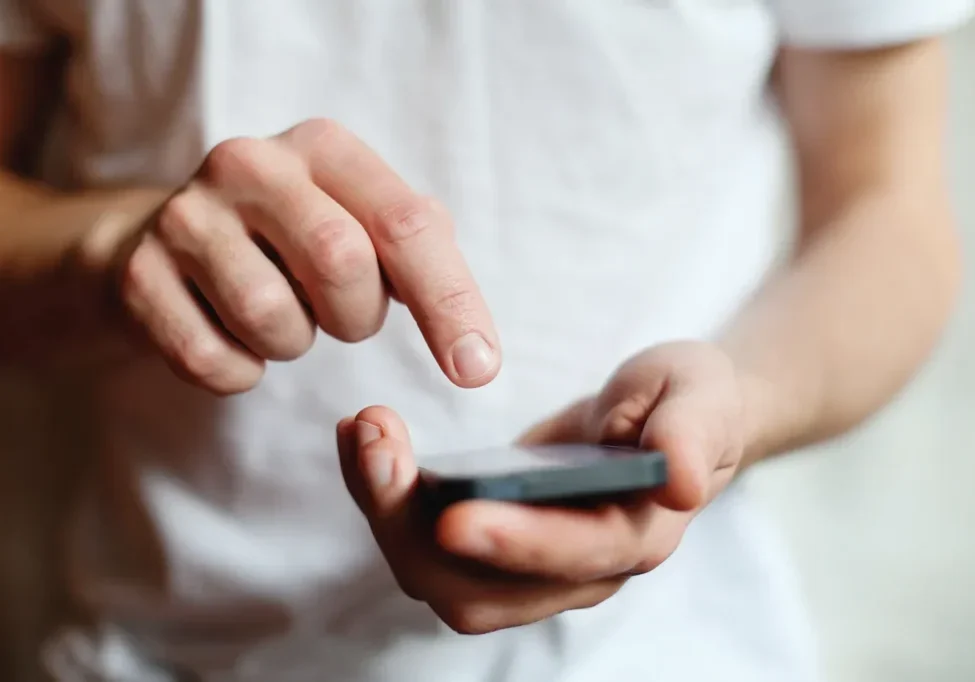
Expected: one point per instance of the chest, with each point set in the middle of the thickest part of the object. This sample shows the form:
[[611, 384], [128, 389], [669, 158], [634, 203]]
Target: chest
[[555, 74]]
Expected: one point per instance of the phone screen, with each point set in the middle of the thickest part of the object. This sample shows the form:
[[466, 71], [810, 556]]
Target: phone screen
[[515, 459]]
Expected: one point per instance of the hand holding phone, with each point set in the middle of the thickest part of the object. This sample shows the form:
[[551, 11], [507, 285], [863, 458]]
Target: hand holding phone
[[512, 541], [513, 545]]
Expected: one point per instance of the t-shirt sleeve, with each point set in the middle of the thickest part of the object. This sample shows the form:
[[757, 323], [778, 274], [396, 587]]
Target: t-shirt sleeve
[[19, 27], [866, 23]]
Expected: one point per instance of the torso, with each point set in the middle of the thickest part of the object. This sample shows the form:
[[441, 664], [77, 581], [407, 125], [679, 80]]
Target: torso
[[617, 179]]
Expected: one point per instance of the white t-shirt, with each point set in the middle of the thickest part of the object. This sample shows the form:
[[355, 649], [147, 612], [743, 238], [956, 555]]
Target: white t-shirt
[[618, 178]]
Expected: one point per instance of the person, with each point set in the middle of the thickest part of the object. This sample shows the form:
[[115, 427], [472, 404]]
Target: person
[[247, 222]]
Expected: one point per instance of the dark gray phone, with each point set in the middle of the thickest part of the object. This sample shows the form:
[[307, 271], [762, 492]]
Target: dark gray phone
[[564, 474]]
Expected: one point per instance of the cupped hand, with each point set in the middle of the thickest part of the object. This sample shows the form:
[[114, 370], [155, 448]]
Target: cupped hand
[[484, 566], [273, 237]]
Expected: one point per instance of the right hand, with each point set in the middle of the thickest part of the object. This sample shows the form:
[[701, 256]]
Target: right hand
[[272, 237]]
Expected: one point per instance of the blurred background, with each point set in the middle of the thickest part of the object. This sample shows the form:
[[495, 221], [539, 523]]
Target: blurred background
[[882, 523]]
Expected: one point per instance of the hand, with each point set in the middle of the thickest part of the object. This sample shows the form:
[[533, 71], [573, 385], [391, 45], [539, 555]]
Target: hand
[[273, 236], [486, 565]]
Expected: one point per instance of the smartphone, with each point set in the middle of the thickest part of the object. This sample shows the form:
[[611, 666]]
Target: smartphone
[[564, 474]]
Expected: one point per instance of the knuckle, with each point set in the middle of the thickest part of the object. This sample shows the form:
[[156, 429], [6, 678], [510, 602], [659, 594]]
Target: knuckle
[[182, 218], [203, 358], [318, 132], [263, 308], [459, 303], [338, 258], [655, 555], [604, 564], [404, 220], [644, 566], [205, 362], [229, 384], [667, 548], [598, 593], [410, 587], [623, 544], [651, 560], [470, 618], [696, 491], [235, 159], [136, 274], [363, 327], [316, 139]]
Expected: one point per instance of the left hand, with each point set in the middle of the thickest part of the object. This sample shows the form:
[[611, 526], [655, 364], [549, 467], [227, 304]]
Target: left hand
[[486, 566]]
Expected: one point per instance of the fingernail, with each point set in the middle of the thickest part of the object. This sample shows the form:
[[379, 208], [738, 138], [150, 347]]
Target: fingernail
[[378, 465], [473, 357], [367, 433]]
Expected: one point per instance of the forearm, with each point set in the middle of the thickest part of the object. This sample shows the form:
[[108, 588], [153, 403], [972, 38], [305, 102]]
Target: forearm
[[836, 334], [55, 261]]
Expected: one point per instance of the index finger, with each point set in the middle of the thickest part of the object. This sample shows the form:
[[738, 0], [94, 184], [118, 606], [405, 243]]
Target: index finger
[[414, 242]]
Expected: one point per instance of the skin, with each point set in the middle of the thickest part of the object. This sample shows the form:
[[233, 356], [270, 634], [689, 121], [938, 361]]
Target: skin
[[827, 341], [268, 240], [343, 224]]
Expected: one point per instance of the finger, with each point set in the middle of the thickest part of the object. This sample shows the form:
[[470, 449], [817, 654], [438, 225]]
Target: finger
[[381, 470], [413, 238], [346, 439], [560, 543], [188, 339], [473, 601], [327, 251], [479, 607], [681, 429], [249, 294], [622, 422], [642, 407], [380, 474]]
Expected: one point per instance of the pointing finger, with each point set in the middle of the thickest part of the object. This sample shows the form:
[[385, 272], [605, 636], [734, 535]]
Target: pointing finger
[[413, 238]]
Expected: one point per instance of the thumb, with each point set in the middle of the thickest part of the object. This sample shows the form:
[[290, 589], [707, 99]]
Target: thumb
[[571, 425], [377, 463], [679, 430]]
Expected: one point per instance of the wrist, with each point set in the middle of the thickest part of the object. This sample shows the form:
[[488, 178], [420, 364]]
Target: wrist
[[45, 232], [776, 418], [60, 263], [114, 224], [110, 223], [758, 427]]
